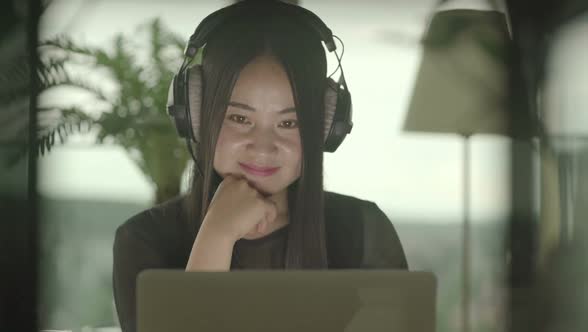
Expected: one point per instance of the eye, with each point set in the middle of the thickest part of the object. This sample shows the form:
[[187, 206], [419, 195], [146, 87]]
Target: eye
[[238, 118], [289, 124]]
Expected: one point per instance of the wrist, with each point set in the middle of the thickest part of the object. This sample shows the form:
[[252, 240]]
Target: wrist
[[211, 251], [218, 235]]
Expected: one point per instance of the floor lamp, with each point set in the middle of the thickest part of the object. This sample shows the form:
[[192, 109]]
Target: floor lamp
[[565, 112], [460, 88], [564, 108]]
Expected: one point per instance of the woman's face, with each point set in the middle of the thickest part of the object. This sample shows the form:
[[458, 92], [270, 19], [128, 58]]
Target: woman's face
[[259, 137]]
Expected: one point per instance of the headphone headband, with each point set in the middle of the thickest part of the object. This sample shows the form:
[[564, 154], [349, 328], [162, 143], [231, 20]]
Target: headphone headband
[[217, 18]]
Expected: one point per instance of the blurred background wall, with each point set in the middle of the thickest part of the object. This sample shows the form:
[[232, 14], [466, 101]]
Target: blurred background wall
[[98, 173]]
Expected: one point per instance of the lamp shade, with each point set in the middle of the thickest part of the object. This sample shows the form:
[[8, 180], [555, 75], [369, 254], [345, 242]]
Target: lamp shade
[[461, 85], [565, 92]]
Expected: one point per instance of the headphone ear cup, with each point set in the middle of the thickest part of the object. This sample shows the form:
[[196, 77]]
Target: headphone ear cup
[[331, 92], [176, 107], [194, 77]]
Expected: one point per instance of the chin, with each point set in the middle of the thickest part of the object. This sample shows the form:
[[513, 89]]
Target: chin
[[266, 189]]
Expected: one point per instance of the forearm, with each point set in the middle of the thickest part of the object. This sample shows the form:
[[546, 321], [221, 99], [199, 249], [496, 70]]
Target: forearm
[[210, 252]]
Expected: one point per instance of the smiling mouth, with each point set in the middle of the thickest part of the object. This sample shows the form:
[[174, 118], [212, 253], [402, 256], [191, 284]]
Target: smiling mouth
[[259, 171]]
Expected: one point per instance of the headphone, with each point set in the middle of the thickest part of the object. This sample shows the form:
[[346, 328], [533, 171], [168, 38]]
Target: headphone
[[185, 91]]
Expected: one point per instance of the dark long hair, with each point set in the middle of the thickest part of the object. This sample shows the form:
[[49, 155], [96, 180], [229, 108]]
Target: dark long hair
[[298, 48]]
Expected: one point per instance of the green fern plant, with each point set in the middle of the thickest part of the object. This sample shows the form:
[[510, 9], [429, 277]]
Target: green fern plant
[[134, 117]]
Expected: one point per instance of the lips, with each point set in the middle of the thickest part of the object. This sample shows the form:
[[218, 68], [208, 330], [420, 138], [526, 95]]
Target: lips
[[258, 170]]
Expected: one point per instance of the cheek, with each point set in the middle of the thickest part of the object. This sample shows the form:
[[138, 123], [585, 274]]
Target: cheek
[[293, 153], [224, 154]]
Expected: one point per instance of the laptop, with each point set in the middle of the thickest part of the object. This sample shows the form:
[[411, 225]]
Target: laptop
[[279, 300]]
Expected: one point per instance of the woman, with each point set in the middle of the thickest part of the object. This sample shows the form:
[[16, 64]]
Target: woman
[[256, 198]]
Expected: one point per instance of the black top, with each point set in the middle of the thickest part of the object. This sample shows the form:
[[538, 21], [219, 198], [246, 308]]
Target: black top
[[359, 236]]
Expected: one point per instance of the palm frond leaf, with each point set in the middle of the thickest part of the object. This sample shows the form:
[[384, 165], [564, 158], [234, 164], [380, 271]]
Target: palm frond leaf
[[135, 118], [71, 120], [52, 73], [67, 45]]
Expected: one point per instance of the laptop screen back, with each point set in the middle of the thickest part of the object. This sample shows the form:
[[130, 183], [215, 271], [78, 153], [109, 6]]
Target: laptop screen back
[[333, 300]]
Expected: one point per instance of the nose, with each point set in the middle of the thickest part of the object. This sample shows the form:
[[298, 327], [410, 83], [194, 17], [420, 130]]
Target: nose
[[263, 141]]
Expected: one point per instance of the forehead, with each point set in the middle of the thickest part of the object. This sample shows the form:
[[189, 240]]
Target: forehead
[[263, 83]]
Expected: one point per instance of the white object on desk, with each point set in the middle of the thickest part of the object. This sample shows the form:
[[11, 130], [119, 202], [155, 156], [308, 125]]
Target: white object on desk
[[101, 329]]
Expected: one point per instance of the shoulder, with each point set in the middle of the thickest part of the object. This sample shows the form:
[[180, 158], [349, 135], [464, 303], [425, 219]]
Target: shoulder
[[340, 204], [158, 216], [359, 234], [345, 209], [337, 198], [158, 227]]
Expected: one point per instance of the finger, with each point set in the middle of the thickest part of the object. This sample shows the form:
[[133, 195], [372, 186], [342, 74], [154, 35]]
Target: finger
[[227, 180], [241, 181], [261, 227], [234, 176], [230, 177], [215, 194]]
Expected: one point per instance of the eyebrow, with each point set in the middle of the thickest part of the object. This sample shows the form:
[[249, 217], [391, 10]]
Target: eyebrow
[[251, 109]]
